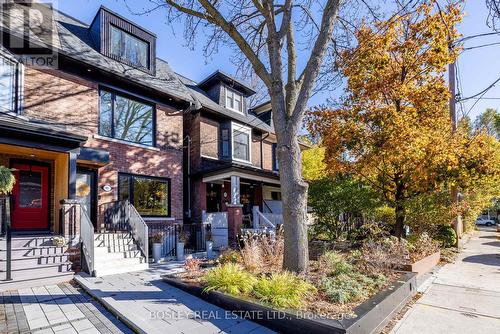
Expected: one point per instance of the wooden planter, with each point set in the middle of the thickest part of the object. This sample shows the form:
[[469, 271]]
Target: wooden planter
[[371, 316], [425, 265]]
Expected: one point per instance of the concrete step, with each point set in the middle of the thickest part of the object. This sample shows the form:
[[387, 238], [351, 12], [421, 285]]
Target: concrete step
[[32, 262], [121, 262], [115, 247], [34, 281], [102, 253], [32, 251], [108, 236], [30, 241], [120, 270], [113, 242], [45, 270]]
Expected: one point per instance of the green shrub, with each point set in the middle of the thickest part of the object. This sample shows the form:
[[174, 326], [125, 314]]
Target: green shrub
[[346, 288], [446, 236], [282, 290], [335, 264], [230, 256], [229, 278], [7, 180]]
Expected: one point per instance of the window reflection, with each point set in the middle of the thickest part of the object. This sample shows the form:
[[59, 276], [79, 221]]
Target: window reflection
[[30, 189]]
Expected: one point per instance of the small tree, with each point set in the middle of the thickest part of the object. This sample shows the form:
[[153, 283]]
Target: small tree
[[393, 130]]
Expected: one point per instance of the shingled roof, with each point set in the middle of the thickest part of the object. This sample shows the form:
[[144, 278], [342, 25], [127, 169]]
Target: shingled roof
[[72, 39]]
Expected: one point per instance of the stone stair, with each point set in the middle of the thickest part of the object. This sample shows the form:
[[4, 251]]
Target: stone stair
[[35, 262], [116, 253]]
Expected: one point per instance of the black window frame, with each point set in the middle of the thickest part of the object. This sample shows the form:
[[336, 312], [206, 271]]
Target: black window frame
[[131, 191], [18, 82], [124, 59], [275, 157], [114, 93]]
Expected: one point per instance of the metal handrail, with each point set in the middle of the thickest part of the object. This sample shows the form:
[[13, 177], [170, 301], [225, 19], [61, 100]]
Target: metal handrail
[[265, 220], [87, 240], [139, 229], [6, 227]]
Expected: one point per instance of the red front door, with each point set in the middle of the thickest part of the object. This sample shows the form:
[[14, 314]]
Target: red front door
[[30, 209]]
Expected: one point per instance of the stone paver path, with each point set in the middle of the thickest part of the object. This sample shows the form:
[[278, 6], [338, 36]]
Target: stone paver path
[[60, 309], [149, 305], [463, 297]]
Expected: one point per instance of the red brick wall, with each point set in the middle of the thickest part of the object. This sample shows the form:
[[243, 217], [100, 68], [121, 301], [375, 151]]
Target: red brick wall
[[267, 155], [68, 100], [209, 137]]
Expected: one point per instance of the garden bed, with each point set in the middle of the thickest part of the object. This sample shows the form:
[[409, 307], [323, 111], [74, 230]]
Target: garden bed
[[424, 265], [368, 317]]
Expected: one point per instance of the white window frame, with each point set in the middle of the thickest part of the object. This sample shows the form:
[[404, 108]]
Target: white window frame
[[233, 94], [247, 130], [18, 82]]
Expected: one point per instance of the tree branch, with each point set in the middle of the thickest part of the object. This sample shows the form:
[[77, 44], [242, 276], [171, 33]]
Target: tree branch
[[310, 72]]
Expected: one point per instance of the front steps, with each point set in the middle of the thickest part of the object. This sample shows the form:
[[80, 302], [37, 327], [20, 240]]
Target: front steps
[[35, 262], [116, 253]]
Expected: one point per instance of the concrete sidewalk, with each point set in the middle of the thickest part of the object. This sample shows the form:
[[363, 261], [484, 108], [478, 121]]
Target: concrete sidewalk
[[60, 309], [149, 305], [463, 297]]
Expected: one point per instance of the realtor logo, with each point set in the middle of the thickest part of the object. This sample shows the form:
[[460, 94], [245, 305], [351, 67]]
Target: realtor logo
[[28, 31]]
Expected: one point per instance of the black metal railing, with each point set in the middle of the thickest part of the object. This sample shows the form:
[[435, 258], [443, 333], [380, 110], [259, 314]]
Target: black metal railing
[[169, 234], [5, 223], [122, 216], [195, 236]]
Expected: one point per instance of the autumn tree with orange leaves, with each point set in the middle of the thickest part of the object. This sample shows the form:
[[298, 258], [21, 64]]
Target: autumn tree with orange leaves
[[393, 129]]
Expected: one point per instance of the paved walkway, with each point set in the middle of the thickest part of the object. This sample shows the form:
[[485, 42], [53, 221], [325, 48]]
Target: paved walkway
[[463, 297], [149, 305], [61, 309]]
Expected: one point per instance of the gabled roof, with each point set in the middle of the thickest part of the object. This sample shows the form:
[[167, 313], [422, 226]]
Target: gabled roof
[[72, 39], [229, 80], [207, 103]]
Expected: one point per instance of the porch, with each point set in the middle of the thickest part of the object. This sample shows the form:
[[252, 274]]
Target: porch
[[43, 159], [234, 201]]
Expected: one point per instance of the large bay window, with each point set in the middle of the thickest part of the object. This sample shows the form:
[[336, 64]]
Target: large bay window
[[241, 144], [234, 100], [123, 118], [9, 84], [149, 195], [129, 48]]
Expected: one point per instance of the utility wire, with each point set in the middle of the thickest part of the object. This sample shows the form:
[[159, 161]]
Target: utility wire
[[481, 93]]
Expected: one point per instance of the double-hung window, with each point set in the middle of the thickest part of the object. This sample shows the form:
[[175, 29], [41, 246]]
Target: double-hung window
[[234, 100], [149, 195], [242, 140], [9, 84], [129, 48], [124, 118]]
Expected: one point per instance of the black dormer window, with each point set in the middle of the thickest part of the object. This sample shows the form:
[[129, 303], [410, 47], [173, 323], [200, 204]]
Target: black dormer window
[[129, 48], [124, 41]]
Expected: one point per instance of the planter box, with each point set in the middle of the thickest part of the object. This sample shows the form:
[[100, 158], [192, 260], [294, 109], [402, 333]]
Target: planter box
[[371, 316], [425, 265]]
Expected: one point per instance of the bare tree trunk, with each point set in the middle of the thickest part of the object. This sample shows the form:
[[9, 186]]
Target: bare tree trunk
[[399, 211]]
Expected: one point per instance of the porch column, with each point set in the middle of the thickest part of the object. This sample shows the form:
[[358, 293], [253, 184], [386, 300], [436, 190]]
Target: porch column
[[72, 173], [234, 213], [235, 190]]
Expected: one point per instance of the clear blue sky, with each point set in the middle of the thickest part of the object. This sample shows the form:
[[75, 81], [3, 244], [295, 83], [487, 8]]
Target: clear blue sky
[[477, 68]]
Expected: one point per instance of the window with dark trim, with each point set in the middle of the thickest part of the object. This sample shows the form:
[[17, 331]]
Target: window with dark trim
[[149, 195], [129, 48], [276, 166], [127, 119], [10, 72]]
